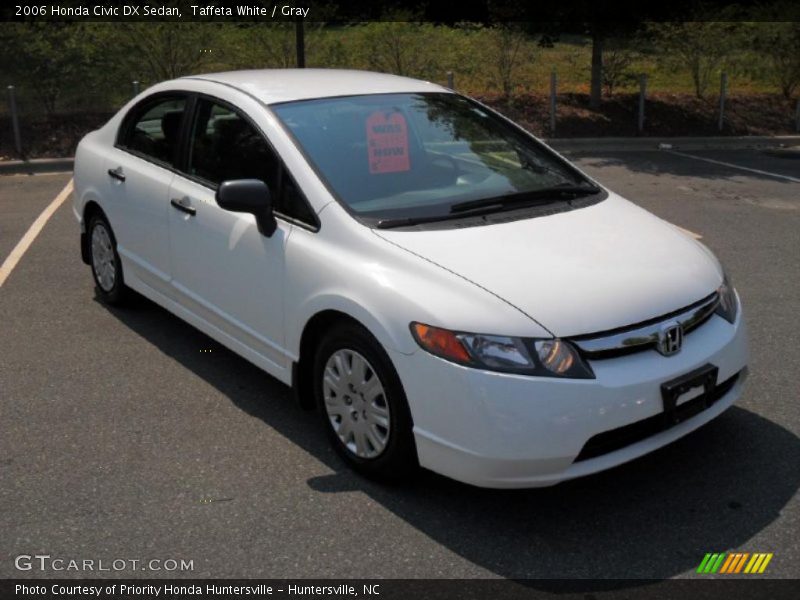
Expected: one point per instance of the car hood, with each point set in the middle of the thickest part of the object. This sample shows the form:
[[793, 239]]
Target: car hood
[[582, 271]]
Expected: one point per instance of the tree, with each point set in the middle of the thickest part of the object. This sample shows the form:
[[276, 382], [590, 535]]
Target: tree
[[779, 43], [49, 58], [616, 65], [609, 65], [401, 47], [702, 47], [595, 90], [602, 22], [166, 50], [599, 32], [507, 47]]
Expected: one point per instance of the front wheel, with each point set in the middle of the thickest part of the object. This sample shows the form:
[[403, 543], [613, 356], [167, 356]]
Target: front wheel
[[362, 404], [105, 262]]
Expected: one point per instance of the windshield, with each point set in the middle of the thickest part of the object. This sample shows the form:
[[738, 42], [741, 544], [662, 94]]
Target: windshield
[[395, 156]]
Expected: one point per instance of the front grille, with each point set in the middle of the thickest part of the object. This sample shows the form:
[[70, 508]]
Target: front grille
[[615, 439], [645, 335]]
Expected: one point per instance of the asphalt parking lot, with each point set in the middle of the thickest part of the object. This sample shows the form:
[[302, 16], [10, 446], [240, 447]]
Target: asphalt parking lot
[[129, 434]]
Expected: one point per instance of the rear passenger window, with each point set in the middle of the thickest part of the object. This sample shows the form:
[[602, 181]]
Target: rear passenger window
[[153, 128]]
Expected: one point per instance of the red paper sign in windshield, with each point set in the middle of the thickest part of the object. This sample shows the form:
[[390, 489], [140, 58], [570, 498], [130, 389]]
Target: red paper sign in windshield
[[387, 142]]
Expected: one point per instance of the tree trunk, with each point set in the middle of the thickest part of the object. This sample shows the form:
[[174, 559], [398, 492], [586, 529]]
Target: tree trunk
[[697, 78], [597, 69], [300, 44]]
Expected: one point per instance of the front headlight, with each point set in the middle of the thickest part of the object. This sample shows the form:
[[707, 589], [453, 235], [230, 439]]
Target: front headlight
[[541, 357], [728, 305]]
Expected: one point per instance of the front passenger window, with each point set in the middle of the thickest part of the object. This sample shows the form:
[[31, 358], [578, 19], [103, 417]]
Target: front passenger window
[[225, 146]]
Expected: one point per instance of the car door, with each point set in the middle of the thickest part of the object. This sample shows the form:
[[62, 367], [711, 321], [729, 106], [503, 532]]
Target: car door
[[224, 270], [140, 169]]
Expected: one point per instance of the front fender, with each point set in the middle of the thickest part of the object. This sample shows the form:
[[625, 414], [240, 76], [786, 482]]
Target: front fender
[[388, 334], [346, 268]]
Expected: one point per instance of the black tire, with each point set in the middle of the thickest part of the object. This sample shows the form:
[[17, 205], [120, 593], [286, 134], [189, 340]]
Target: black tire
[[398, 458], [118, 292]]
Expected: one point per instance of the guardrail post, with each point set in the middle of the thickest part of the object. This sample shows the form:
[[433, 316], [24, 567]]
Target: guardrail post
[[450, 80], [553, 91], [642, 95], [723, 90], [12, 109], [797, 117], [136, 88]]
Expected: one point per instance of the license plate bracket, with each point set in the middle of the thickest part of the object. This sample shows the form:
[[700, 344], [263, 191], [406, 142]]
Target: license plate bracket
[[672, 390]]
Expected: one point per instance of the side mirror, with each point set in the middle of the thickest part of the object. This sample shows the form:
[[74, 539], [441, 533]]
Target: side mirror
[[249, 196]]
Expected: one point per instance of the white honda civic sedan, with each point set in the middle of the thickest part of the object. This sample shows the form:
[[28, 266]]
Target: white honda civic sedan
[[445, 289]]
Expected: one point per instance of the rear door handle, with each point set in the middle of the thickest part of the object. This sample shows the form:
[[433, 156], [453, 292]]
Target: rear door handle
[[117, 174], [183, 205]]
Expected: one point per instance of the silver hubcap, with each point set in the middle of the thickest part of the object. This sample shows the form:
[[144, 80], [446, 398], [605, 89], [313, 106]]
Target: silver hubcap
[[356, 403], [103, 262]]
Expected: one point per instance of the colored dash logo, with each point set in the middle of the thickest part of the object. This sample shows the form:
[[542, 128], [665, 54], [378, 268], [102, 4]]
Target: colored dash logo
[[735, 562]]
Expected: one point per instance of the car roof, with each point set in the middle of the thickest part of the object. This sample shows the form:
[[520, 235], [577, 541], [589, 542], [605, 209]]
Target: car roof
[[271, 86]]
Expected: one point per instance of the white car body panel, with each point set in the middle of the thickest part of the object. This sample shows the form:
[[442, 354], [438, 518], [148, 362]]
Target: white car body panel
[[566, 270], [587, 270], [140, 205], [216, 254], [287, 85]]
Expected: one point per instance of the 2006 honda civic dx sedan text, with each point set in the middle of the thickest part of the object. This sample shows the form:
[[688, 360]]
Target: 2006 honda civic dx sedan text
[[443, 287]]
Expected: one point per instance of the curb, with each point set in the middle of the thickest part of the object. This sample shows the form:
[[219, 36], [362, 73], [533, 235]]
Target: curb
[[793, 152], [672, 143], [38, 165]]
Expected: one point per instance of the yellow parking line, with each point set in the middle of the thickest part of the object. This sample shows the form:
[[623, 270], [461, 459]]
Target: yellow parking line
[[33, 231]]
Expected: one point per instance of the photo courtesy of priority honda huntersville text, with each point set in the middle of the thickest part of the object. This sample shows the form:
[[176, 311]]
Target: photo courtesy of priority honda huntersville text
[[445, 289]]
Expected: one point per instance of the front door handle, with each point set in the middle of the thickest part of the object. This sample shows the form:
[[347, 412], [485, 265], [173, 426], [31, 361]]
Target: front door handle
[[117, 174], [183, 205]]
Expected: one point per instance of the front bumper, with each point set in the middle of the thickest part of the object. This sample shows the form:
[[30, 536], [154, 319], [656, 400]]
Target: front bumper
[[506, 431]]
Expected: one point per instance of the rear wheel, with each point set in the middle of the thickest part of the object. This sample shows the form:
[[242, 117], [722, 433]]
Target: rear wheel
[[362, 404], [105, 262]]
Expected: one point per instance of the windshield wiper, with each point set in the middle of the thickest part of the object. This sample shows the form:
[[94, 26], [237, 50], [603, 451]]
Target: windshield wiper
[[409, 221], [532, 197]]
